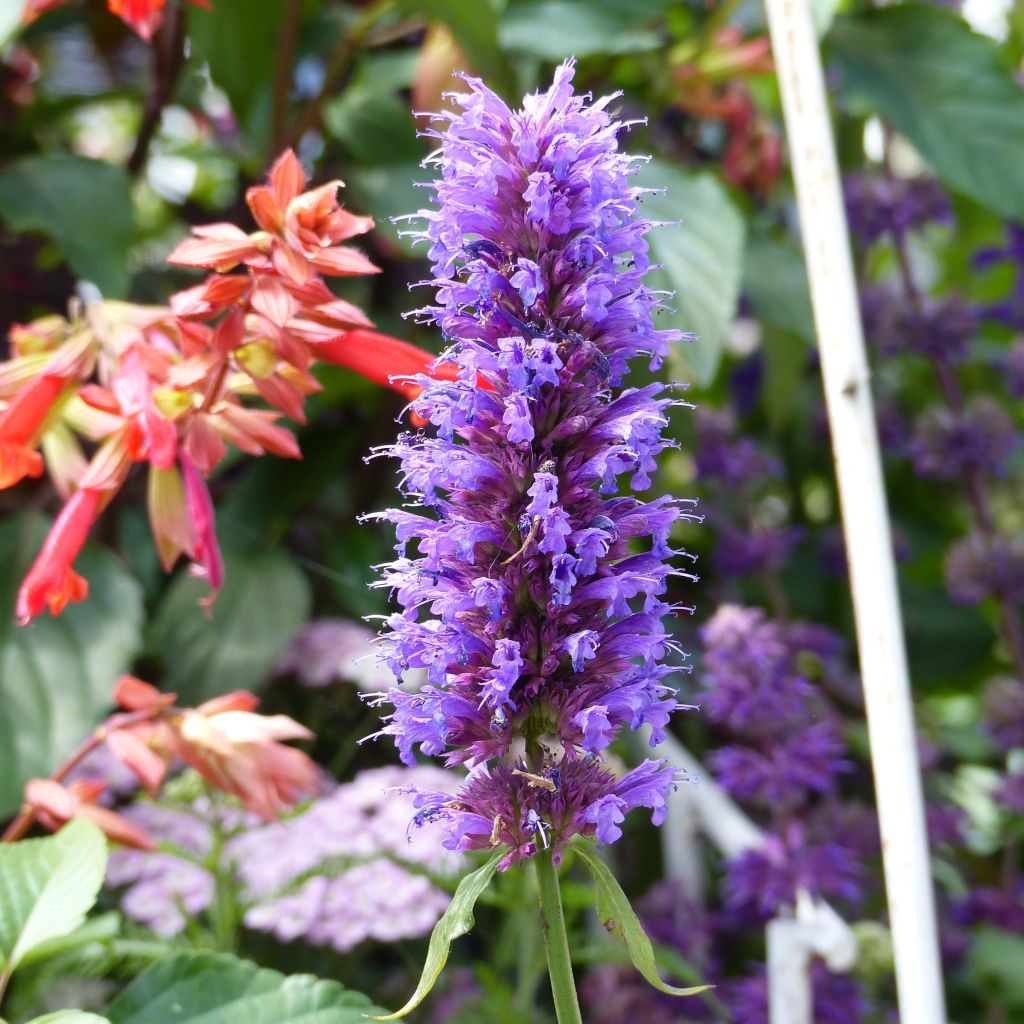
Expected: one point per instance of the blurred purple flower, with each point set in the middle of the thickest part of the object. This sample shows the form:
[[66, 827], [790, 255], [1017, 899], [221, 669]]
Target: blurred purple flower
[[328, 651], [750, 553], [761, 881], [355, 838], [879, 204], [978, 567], [1003, 712], [721, 456], [838, 998], [785, 771], [938, 328], [945, 445]]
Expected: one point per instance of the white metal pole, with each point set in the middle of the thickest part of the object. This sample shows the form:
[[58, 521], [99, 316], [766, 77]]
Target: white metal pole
[[844, 368]]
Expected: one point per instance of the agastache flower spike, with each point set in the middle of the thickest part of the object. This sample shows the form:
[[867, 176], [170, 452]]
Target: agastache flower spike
[[536, 602]]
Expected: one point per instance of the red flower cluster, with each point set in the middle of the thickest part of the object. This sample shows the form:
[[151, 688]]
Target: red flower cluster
[[165, 385], [712, 86], [142, 16], [235, 750]]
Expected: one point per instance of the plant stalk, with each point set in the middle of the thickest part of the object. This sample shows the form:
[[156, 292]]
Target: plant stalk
[[556, 941]]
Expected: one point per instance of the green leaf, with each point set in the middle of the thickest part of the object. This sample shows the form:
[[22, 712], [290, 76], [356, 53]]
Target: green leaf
[[238, 41], [619, 919], [775, 282], [48, 886], [70, 1017], [456, 921], [701, 260], [84, 206], [993, 965], [215, 988], [264, 601], [56, 675], [943, 87], [556, 29], [375, 127]]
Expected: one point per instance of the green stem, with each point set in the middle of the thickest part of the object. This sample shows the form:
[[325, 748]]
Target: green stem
[[556, 941]]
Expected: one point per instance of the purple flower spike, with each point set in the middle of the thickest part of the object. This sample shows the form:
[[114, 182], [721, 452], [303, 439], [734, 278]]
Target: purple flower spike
[[536, 601]]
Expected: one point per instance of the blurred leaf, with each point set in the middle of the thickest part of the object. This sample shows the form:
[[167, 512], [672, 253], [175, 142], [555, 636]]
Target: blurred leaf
[[219, 989], [822, 14], [701, 259], [375, 127], [475, 27], [56, 675], [70, 1017], [455, 922], [785, 357], [96, 929], [945, 641], [264, 601], [943, 87], [10, 18], [49, 885], [775, 282], [993, 963], [387, 192], [84, 206], [619, 919], [238, 41], [556, 29]]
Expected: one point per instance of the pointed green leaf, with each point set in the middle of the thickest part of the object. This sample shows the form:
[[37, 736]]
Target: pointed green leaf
[[457, 920], [216, 988], [700, 252], [47, 886], [83, 205], [620, 920], [264, 601], [945, 88]]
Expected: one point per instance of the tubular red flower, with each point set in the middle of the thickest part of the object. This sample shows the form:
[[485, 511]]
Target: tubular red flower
[[52, 582], [19, 424], [389, 361], [209, 564]]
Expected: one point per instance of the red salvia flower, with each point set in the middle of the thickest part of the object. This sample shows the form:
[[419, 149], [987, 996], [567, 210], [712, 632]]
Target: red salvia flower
[[172, 386], [52, 581]]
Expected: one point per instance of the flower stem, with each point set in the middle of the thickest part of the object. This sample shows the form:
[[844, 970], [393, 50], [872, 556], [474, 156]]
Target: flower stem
[[556, 942]]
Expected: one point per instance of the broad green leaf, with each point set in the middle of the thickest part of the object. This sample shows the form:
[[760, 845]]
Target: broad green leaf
[[375, 127], [70, 1017], [83, 206], [215, 988], [701, 260], [556, 29], [775, 282], [456, 921], [238, 41], [943, 87], [47, 886], [619, 919], [232, 646], [993, 965], [56, 674]]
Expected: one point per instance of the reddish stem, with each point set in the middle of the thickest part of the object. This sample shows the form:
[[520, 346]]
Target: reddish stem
[[26, 816]]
